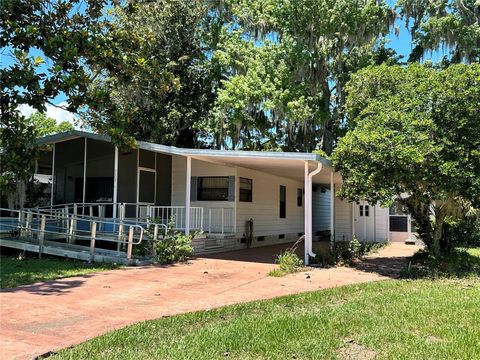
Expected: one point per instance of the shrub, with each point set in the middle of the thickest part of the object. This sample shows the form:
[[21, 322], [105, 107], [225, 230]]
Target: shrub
[[459, 263], [174, 247], [348, 251], [463, 232], [288, 262]]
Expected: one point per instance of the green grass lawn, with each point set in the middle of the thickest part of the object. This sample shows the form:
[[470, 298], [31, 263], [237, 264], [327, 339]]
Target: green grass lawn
[[15, 272], [398, 319]]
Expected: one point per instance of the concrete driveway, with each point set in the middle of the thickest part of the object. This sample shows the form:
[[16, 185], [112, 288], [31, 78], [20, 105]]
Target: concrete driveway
[[51, 315]]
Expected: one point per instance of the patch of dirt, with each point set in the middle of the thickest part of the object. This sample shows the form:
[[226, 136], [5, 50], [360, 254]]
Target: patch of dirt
[[353, 351], [433, 339]]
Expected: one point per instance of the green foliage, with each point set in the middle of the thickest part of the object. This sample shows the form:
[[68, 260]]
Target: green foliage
[[288, 263], [414, 137], [65, 39], [463, 232], [345, 252], [155, 84], [283, 62], [459, 263], [44, 125], [450, 24], [173, 247]]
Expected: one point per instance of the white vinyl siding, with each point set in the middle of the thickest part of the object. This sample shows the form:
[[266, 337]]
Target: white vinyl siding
[[320, 209], [265, 206], [343, 220]]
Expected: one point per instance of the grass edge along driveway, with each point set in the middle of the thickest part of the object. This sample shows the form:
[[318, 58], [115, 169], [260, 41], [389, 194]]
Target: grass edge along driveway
[[408, 319], [15, 271]]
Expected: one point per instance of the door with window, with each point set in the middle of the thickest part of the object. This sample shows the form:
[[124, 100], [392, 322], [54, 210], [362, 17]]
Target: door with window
[[364, 221]]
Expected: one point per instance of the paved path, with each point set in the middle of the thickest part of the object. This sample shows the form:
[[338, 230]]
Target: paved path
[[51, 315]]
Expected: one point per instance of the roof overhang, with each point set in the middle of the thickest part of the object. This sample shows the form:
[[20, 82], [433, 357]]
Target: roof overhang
[[285, 164]]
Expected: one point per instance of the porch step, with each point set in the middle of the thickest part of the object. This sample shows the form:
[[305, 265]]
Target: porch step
[[220, 236], [211, 244]]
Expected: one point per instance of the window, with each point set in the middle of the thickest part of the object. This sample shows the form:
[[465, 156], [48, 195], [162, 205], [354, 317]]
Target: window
[[283, 201], [245, 189], [212, 188], [364, 210], [299, 197]]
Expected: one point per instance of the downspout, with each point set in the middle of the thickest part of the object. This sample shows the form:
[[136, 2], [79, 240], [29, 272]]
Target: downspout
[[308, 210]]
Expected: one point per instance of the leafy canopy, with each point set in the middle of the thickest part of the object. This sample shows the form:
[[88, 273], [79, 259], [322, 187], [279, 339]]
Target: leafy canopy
[[416, 136], [51, 44]]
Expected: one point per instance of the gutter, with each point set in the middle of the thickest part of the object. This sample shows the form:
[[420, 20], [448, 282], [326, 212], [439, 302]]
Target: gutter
[[308, 209]]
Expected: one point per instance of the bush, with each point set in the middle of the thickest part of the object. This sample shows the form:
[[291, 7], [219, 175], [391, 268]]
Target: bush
[[288, 262], [459, 263], [174, 247], [347, 251], [463, 232]]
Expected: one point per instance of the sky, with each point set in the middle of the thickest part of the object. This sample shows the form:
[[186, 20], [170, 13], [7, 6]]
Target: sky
[[401, 44]]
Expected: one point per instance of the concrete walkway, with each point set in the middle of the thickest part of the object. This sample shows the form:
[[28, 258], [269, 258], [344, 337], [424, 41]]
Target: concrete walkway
[[46, 316]]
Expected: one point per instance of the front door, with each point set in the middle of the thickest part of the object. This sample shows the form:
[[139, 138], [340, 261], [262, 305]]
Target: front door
[[364, 221]]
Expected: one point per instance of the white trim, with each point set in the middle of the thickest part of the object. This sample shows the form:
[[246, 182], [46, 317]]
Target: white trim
[[146, 169], [155, 187], [308, 210], [187, 194], [365, 220], [332, 210], [409, 227], [353, 220], [115, 183], [375, 223], [138, 182], [84, 173], [53, 176]]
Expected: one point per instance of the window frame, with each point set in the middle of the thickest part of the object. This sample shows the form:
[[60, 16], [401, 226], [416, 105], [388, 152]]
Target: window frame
[[248, 191], [200, 188]]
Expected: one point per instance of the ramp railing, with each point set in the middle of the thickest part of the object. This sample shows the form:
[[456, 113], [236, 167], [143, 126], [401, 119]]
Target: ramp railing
[[38, 226]]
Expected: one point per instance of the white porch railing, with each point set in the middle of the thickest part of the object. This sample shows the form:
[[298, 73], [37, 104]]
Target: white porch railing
[[211, 220], [219, 220], [164, 214]]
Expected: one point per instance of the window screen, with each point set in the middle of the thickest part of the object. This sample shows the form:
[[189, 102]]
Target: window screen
[[212, 188], [245, 189], [146, 191], [283, 201]]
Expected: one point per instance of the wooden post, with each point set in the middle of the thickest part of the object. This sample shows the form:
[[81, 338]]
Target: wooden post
[[92, 241], [21, 216], [120, 236], [28, 224], [130, 243], [155, 238], [70, 231], [41, 236]]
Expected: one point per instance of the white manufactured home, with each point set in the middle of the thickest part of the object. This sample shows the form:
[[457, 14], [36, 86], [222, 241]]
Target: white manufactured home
[[228, 198]]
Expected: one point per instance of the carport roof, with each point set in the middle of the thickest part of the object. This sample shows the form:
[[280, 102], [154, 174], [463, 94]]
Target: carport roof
[[280, 163]]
